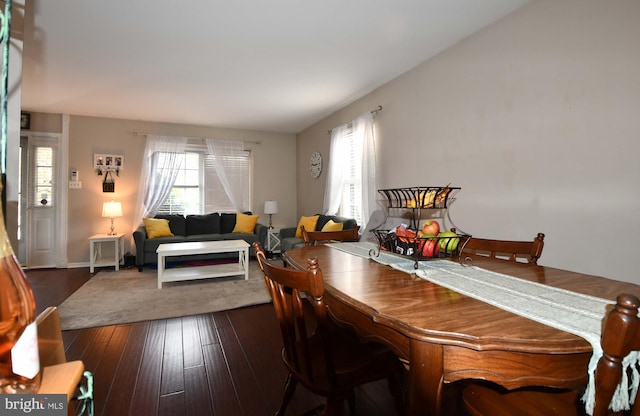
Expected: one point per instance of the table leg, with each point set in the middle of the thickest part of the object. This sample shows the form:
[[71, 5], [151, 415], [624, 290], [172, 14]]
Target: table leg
[[92, 258], [245, 262], [425, 378], [160, 270]]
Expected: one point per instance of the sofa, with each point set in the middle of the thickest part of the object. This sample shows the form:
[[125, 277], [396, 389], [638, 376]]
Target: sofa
[[208, 227], [288, 239]]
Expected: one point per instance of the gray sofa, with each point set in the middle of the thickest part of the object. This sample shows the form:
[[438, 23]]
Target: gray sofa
[[208, 227], [288, 239]]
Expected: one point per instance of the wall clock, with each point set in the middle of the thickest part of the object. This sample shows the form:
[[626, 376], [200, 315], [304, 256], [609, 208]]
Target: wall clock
[[315, 164]]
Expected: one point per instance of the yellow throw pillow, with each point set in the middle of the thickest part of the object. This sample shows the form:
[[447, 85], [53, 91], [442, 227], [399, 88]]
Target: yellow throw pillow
[[309, 224], [157, 227], [245, 223], [332, 226]]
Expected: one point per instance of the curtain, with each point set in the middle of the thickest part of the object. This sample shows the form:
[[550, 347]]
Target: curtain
[[360, 138], [225, 153], [159, 171], [363, 130], [338, 162]]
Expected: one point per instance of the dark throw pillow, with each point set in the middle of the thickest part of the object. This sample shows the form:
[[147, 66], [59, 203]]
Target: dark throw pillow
[[177, 223], [228, 222], [203, 224]]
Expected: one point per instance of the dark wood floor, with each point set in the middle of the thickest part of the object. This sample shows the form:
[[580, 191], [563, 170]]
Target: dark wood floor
[[223, 363]]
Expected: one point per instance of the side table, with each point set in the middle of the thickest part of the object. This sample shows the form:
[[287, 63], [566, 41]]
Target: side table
[[95, 250], [273, 241]]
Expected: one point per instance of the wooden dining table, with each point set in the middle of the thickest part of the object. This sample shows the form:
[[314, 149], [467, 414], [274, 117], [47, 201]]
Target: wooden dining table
[[444, 336]]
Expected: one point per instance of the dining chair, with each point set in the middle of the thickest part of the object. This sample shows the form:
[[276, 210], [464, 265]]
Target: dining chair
[[50, 342], [506, 250], [312, 238], [328, 360], [58, 375], [621, 335]]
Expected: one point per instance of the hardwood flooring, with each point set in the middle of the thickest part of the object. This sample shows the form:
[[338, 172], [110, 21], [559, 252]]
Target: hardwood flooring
[[223, 363]]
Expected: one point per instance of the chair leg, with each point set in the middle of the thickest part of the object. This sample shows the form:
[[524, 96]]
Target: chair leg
[[351, 400], [289, 389], [334, 406], [395, 387]]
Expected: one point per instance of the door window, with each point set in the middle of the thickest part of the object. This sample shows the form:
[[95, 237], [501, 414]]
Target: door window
[[43, 176]]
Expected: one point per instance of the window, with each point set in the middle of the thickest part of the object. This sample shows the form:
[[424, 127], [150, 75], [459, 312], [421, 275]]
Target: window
[[351, 177], [238, 171], [351, 206], [185, 197], [43, 175], [198, 189]]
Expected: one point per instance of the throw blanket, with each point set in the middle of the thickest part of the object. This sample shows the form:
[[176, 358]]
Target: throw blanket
[[572, 312]]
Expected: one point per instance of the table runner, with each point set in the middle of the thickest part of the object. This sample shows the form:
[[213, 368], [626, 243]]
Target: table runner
[[572, 312]]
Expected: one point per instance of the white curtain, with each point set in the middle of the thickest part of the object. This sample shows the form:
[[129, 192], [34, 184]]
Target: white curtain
[[225, 152], [363, 130], [159, 171], [338, 162], [364, 160]]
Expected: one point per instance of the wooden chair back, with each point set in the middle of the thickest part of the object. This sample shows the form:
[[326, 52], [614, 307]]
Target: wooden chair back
[[620, 336], [327, 359], [529, 251], [313, 238], [288, 289], [50, 342]]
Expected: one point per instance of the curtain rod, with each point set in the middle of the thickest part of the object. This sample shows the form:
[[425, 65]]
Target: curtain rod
[[136, 133], [374, 111]]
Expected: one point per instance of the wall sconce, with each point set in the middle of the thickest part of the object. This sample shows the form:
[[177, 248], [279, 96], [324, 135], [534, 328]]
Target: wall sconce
[[270, 207], [112, 209]]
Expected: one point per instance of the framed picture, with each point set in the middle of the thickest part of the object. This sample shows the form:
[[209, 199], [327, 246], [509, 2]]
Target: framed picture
[[105, 162], [25, 121], [99, 161]]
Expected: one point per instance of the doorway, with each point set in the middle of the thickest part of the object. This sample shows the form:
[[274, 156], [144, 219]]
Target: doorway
[[38, 200]]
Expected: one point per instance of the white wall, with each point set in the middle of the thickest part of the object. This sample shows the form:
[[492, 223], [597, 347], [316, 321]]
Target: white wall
[[536, 118]]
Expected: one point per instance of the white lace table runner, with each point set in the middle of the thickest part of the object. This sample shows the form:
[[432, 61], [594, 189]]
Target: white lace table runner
[[572, 312]]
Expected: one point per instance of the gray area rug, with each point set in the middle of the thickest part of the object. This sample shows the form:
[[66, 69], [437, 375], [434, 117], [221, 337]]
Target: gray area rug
[[118, 297]]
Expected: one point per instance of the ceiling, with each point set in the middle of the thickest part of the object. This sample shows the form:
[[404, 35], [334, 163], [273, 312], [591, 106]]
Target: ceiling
[[270, 65]]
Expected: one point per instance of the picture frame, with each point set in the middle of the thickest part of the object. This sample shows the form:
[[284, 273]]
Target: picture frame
[[107, 162], [25, 121], [99, 161]]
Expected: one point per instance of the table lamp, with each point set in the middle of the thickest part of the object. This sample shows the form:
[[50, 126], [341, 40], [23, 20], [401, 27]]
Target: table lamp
[[111, 210], [270, 207]]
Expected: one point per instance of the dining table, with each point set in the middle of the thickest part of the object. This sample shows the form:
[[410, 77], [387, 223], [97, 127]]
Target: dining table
[[444, 336]]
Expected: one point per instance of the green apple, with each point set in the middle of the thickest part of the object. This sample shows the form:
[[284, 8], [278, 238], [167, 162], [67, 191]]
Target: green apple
[[447, 242]]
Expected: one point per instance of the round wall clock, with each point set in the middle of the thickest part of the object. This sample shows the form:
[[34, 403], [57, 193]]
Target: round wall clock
[[315, 164]]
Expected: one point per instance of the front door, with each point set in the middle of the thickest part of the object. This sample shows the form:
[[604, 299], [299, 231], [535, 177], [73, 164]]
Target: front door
[[38, 201]]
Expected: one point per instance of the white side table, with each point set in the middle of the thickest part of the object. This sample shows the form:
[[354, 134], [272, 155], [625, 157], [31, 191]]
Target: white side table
[[273, 240], [95, 250]]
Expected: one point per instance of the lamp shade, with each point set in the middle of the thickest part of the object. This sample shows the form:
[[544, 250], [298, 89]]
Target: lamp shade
[[270, 207], [112, 209]]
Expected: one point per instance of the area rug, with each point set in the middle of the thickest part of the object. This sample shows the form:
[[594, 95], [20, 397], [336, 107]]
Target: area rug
[[125, 296]]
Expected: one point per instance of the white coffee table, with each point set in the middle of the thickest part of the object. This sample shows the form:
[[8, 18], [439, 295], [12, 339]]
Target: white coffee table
[[202, 272]]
